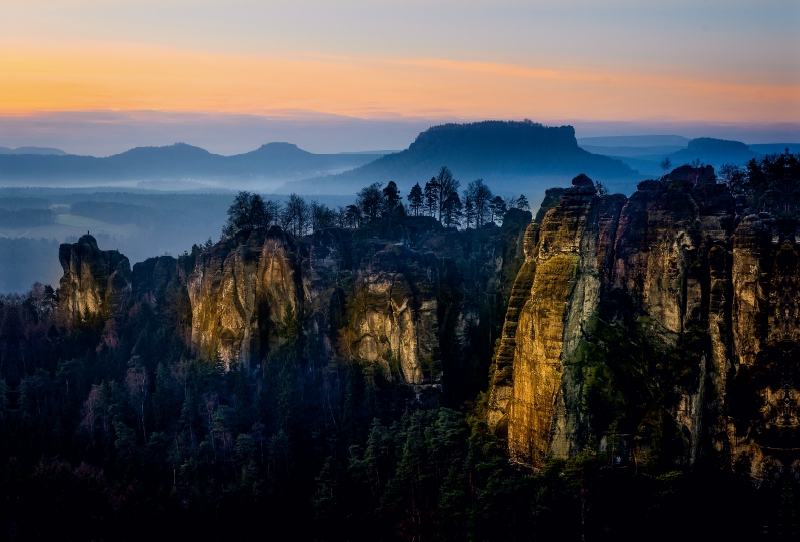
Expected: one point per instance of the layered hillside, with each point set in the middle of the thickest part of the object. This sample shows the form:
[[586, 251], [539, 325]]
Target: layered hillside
[[508, 154], [283, 161], [714, 151], [660, 328]]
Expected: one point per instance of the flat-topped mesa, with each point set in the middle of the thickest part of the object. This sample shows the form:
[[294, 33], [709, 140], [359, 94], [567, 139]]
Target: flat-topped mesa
[[94, 282]]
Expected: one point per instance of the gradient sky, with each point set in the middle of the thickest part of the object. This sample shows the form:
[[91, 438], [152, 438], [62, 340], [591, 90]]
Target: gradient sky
[[711, 61]]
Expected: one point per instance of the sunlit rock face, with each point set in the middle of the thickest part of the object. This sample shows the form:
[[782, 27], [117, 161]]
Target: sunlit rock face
[[387, 293], [677, 260], [395, 306], [94, 282], [763, 396], [240, 291], [561, 277], [502, 382], [396, 293]]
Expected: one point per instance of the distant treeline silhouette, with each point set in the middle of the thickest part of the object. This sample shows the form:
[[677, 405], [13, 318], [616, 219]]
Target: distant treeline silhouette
[[475, 207], [25, 218], [16, 203]]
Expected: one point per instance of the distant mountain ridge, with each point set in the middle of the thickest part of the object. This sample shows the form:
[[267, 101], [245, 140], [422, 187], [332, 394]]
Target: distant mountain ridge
[[638, 153], [635, 141], [31, 150], [273, 160], [508, 155]]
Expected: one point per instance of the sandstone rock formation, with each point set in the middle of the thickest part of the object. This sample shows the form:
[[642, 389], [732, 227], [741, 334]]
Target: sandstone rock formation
[[675, 260], [94, 282], [240, 291], [395, 312], [151, 277], [373, 293]]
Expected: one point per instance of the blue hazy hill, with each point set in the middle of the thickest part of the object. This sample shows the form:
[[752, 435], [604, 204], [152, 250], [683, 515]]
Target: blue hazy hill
[[510, 156], [178, 161]]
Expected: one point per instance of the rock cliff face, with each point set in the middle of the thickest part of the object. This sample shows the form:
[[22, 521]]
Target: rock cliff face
[[387, 293], [676, 263], [94, 282], [395, 312], [151, 277], [240, 292], [383, 294], [763, 394]]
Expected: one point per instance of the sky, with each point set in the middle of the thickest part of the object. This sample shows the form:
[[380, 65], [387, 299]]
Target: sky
[[96, 77]]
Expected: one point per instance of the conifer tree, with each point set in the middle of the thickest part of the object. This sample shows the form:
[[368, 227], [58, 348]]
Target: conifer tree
[[452, 210], [446, 185], [391, 199], [481, 196], [249, 211], [497, 208], [415, 199], [469, 211], [370, 200], [431, 197]]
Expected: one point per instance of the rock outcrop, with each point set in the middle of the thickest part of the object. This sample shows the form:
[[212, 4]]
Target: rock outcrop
[[241, 291], [375, 293], [388, 294], [763, 396], [675, 262], [151, 277], [395, 312], [95, 282]]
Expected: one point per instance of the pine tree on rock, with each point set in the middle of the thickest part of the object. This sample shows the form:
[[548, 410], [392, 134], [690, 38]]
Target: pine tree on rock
[[415, 199], [498, 208], [391, 199], [432, 197], [446, 185]]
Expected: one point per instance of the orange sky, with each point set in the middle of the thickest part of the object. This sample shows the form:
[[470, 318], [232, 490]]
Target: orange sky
[[162, 66], [116, 77]]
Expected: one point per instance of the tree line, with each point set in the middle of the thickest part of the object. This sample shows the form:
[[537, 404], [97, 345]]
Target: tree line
[[440, 199], [770, 183], [24, 218]]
